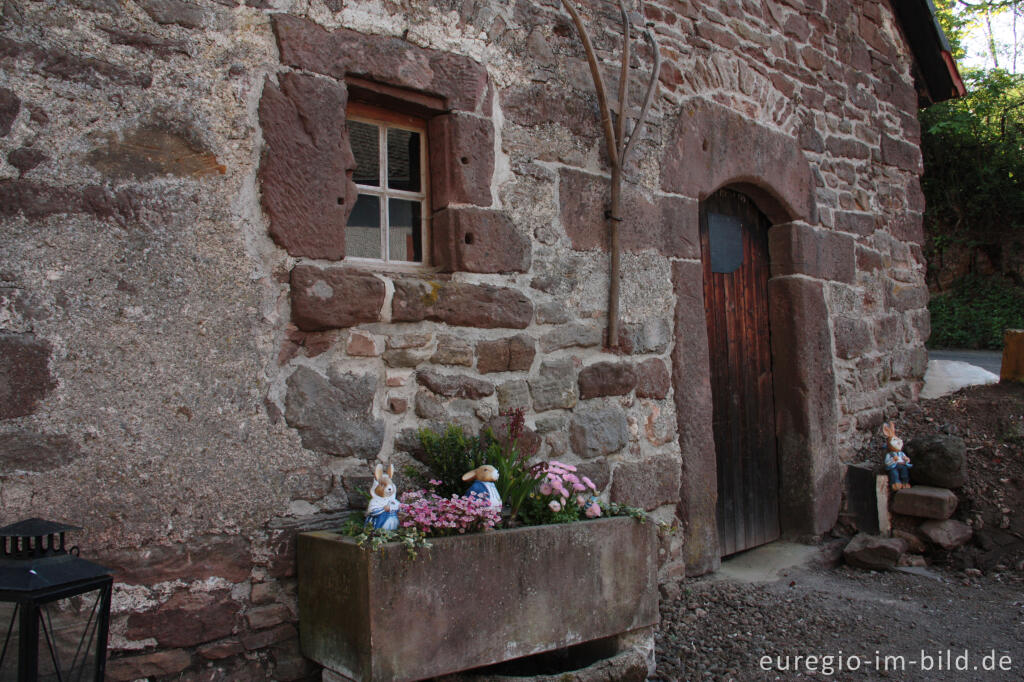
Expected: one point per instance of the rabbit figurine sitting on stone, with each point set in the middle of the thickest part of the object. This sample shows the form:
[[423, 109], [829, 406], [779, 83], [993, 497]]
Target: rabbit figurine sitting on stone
[[382, 512], [896, 461]]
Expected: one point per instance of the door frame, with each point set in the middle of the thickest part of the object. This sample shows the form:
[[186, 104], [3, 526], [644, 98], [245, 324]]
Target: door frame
[[757, 524], [804, 388]]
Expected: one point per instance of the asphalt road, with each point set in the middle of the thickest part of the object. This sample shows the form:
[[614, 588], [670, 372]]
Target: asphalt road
[[986, 359]]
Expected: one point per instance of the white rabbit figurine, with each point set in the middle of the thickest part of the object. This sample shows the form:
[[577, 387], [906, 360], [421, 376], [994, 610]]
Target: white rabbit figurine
[[382, 512], [483, 484]]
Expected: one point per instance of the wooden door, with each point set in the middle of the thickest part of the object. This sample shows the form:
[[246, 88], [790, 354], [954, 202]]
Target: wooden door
[[734, 248]]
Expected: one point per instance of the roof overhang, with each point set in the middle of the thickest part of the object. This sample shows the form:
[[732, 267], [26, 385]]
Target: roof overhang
[[935, 72]]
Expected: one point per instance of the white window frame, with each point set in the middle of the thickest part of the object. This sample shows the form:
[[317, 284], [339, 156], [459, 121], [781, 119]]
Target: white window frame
[[383, 119]]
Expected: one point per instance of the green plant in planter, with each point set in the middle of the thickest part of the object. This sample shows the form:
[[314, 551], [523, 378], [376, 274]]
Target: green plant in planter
[[534, 494], [451, 454], [412, 538], [448, 456], [517, 479]]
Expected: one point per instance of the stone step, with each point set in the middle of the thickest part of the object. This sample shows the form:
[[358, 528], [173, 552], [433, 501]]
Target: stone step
[[925, 501], [947, 534]]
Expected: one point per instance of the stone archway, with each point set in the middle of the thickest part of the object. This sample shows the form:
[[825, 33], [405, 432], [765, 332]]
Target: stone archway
[[714, 147]]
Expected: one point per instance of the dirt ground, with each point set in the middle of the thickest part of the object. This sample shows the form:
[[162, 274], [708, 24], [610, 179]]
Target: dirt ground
[[960, 619], [859, 624]]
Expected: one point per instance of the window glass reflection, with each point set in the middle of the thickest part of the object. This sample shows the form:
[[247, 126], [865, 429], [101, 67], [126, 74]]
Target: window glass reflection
[[403, 160], [362, 234], [405, 230], [365, 141]]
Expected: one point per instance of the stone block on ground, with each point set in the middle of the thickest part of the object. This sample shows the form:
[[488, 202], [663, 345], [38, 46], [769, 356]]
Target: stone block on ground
[[925, 502], [1012, 367], [938, 460], [911, 560], [873, 552], [861, 496], [947, 534]]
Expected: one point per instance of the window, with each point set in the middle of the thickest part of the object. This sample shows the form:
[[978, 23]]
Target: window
[[389, 221]]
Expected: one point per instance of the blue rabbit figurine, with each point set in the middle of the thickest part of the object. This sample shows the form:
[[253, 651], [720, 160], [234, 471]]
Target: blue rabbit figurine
[[382, 512]]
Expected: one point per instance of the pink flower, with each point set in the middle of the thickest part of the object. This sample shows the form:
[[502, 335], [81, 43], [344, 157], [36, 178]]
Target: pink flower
[[564, 467], [554, 505], [593, 511], [545, 488], [578, 487], [590, 484]]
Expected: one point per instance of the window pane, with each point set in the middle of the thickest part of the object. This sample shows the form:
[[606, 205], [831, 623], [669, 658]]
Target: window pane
[[405, 237], [365, 141], [403, 160], [362, 234], [725, 241]]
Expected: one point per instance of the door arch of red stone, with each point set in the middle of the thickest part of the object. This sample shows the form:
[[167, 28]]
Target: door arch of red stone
[[712, 148]]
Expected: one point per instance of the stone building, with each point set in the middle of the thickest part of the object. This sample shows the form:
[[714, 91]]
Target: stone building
[[199, 357]]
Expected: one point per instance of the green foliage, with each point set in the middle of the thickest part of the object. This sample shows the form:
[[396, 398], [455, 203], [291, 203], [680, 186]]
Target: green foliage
[[615, 509], [535, 512], [453, 453], [973, 152], [517, 480], [954, 25], [975, 313], [973, 182], [448, 456], [372, 538]]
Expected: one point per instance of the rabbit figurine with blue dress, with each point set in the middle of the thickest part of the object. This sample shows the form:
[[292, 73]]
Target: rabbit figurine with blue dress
[[483, 484], [382, 511]]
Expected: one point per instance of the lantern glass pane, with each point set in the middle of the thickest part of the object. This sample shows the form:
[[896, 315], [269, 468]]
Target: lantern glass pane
[[67, 637], [8, 641]]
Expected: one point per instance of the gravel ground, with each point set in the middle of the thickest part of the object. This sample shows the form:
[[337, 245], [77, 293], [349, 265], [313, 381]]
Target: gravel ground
[[720, 630]]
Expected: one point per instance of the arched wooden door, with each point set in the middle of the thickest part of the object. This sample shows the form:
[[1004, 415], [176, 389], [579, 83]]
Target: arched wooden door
[[734, 248]]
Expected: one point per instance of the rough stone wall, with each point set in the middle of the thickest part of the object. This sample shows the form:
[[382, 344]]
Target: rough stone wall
[[191, 380]]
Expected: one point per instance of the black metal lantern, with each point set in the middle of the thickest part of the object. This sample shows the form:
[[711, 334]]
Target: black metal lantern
[[54, 605]]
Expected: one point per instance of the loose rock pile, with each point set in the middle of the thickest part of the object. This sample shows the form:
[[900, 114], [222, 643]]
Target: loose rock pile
[[986, 425]]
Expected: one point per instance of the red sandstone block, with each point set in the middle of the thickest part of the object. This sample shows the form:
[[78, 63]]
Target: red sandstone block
[[925, 501], [331, 298]]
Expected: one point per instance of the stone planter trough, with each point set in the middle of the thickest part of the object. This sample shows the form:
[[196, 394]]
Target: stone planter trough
[[472, 600]]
